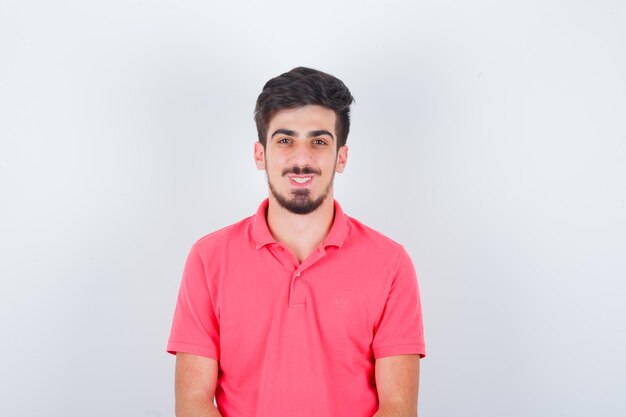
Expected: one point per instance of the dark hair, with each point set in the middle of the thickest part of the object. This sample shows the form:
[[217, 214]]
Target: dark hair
[[299, 87]]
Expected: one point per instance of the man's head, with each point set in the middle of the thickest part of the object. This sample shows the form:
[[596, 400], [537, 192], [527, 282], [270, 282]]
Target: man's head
[[299, 87], [303, 119]]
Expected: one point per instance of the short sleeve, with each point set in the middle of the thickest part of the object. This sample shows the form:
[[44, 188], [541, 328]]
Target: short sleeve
[[195, 327], [400, 329]]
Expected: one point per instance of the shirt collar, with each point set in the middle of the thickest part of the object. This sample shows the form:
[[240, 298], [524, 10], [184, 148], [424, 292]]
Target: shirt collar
[[262, 236]]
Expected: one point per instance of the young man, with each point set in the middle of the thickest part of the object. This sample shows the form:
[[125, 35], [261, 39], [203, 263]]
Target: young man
[[298, 310]]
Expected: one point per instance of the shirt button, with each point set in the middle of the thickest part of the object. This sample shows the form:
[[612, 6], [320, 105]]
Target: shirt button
[[297, 274]]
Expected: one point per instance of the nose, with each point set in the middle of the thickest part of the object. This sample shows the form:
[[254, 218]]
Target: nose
[[301, 156]]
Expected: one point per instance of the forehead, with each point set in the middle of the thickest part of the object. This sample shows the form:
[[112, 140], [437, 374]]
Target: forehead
[[303, 119]]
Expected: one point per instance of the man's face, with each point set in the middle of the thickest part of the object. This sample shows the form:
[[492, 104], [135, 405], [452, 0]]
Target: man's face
[[301, 158]]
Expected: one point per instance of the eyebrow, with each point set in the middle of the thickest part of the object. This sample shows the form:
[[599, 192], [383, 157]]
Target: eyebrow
[[311, 134]]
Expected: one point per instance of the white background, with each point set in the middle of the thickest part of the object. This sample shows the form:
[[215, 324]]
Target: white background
[[488, 137]]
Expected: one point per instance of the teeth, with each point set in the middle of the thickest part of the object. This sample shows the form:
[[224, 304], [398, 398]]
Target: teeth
[[301, 180]]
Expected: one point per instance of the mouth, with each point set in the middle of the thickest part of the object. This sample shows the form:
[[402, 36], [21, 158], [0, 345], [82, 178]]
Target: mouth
[[300, 180]]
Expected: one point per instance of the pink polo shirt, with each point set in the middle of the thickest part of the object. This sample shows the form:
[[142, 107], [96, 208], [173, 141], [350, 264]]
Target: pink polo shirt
[[297, 339]]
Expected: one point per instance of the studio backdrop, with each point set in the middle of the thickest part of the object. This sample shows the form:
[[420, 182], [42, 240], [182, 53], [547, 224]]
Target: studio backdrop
[[488, 137]]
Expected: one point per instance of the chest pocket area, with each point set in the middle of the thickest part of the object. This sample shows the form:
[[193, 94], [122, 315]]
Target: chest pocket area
[[343, 319]]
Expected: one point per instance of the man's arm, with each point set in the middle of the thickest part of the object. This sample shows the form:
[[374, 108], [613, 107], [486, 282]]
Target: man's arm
[[196, 378], [397, 383]]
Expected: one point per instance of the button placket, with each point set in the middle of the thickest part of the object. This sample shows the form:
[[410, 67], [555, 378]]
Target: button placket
[[297, 296], [297, 289]]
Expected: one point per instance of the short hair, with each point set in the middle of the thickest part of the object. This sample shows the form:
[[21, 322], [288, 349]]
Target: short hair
[[299, 87]]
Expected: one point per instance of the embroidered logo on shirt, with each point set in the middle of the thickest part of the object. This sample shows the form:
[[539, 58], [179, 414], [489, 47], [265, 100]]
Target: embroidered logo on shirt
[[341, 302]]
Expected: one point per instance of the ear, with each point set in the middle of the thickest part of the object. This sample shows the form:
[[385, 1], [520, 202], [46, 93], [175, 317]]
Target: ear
[[259, 156], [342, 159]]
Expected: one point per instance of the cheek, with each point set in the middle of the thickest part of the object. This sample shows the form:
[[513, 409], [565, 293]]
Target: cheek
[[272, 168], [330, 164]]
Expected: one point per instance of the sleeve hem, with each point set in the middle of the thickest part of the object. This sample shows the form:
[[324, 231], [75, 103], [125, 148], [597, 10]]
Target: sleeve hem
[[206, 351], [401, 349]]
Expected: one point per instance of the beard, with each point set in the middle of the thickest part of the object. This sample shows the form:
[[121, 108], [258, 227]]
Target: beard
[[300, 201]]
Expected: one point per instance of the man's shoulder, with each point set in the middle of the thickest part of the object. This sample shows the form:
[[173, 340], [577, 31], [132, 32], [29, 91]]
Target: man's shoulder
[[363, 234], [377, 248], [233, 234]]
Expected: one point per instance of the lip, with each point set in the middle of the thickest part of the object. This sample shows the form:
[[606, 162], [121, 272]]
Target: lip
[[297, 184]]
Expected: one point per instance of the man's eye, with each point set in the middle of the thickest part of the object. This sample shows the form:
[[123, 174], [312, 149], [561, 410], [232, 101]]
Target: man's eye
[[319, 142], [283, 140]]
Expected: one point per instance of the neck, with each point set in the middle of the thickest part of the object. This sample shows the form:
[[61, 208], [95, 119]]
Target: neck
[[301, 233]]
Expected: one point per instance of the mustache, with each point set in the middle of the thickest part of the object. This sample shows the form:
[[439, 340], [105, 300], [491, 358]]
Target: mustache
[[301, 171]]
